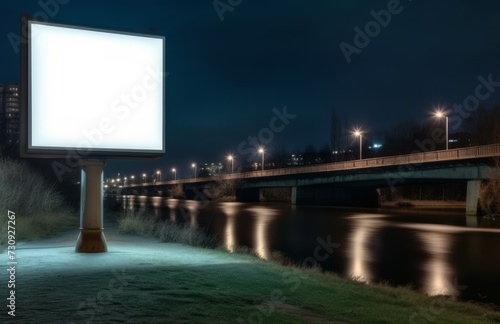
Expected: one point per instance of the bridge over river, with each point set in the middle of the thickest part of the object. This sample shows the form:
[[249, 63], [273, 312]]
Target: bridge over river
[[352, 183]]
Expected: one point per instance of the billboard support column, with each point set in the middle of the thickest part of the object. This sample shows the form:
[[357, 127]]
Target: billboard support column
[[91, 238]]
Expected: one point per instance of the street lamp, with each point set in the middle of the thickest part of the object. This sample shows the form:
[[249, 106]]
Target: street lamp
[[158, 175], [195, 169], [144, 177], [231, 158], [133, 179], [175, 173], [261, 151], [124, 181], [358, 132], [440, 114]]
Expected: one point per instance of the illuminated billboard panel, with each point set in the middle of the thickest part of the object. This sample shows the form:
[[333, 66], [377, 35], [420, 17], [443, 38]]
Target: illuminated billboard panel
[[94, 91]]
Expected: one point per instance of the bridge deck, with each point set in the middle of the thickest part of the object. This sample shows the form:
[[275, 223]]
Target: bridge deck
[[416, 159]]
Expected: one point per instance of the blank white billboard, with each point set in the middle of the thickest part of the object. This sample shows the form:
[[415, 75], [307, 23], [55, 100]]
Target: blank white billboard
[[96, 91]]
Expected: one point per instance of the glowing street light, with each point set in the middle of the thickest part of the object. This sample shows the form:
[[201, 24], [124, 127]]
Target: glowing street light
[[144, 177], [440, 114], [158, 175], [194, 167], [175, 173], [261, 151], [359, 133], [133, 178], [231, 158]]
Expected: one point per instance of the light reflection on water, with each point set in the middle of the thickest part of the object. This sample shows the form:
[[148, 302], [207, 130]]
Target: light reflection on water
[[172, 208], [230, 209], [192, 207], [405, 248], [263, 217], [360, 252], [438, 278]]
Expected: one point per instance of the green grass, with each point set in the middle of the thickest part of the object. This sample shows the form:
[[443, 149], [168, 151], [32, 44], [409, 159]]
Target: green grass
[[265, 292], [272, 292], [39, 209]]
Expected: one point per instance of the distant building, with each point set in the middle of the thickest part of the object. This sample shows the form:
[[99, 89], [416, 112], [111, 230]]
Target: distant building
[[299, 159], [9, 119], [460, 139], [211, 169]]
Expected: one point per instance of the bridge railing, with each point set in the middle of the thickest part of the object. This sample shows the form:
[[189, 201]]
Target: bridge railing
[[414, 158]]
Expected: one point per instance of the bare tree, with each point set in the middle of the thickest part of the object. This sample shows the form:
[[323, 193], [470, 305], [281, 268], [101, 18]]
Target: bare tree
[[489, 194], [339, 137], [485, 128], [280, 155]]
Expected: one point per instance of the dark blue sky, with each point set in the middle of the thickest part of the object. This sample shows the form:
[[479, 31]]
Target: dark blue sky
[[227, 76]]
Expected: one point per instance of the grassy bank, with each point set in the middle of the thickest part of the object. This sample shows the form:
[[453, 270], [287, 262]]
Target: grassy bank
[[40, 211], [263, 292], [246, 289]]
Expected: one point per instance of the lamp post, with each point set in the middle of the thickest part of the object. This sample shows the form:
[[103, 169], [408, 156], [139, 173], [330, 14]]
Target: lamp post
[[158, 175], [194, 167], [261, 151], [440, 114], [175, 173], [357, 132], [133, 178], [231, 158], [144, 177]]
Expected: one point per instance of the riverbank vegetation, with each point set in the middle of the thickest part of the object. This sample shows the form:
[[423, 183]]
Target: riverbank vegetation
[[39, 209], [140, 222], [489, 194], [222, 190]]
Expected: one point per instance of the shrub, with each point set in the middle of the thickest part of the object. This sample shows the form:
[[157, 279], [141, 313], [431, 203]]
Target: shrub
[[140, 222], [489, 194], [177, 191], [185, 234], [40, 210], [222, 188], [136, 222], [277, 194]]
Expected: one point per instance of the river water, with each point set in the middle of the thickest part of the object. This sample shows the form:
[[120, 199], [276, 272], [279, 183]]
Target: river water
[[437, 252]]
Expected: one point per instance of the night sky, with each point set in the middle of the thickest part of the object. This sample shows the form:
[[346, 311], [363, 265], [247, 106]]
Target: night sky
[[225, 77]]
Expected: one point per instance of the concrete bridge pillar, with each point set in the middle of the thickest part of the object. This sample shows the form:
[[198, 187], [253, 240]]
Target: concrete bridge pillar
[[473, 187], [294, 196]]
